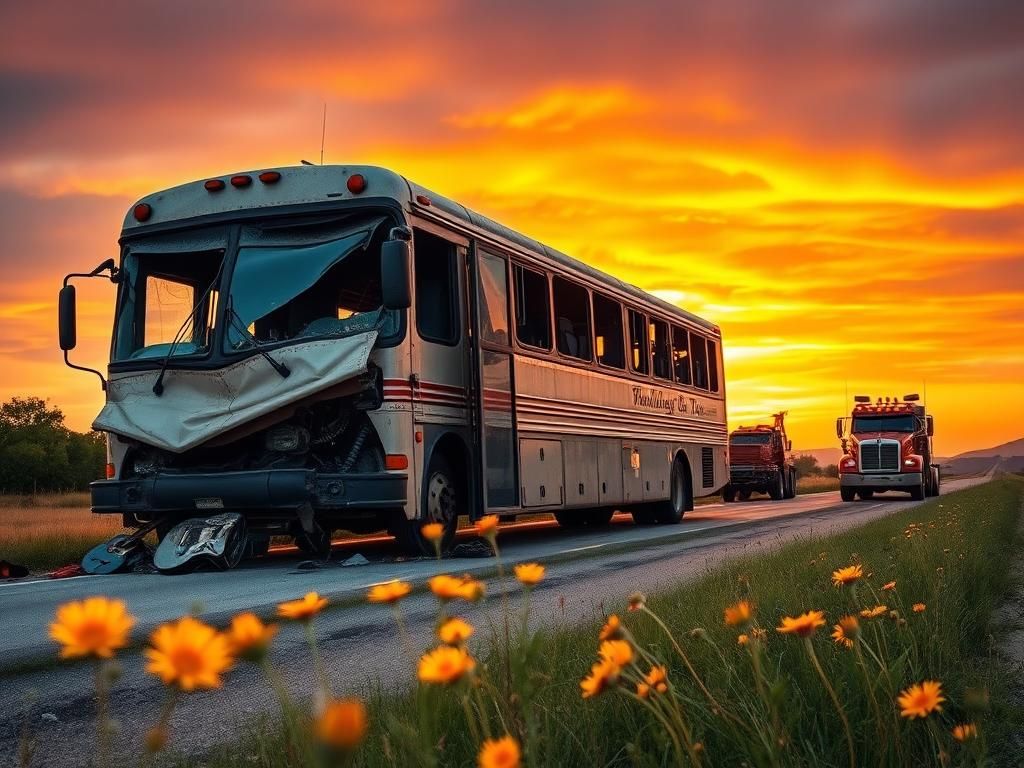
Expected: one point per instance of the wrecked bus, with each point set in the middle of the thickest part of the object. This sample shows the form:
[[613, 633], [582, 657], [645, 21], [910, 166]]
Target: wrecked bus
[[334, 347]]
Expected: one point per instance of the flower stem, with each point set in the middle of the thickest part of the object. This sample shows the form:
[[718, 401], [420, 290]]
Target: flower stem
[[835, 699]]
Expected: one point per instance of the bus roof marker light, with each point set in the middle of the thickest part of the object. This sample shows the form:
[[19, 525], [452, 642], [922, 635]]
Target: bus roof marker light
[[239, 182], [214, 185], [356, 183], [142, 212], [270, 177]]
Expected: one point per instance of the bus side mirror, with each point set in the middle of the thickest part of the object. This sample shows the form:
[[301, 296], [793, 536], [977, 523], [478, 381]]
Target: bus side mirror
[[394, 275], [67, 326], [930, 423], [839, 427]]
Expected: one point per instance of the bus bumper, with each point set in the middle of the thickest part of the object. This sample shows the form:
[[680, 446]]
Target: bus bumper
[[897, 481], [259, 491]]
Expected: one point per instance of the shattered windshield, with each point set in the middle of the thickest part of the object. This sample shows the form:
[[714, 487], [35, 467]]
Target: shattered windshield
[[305, 281], [168, 291], [749, 439]]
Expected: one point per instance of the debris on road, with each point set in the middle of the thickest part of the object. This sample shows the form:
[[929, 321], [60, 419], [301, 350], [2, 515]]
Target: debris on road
[[218, 540], [12, 571], [472, 548], [356, 559]]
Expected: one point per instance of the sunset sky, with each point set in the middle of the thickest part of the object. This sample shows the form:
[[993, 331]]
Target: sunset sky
[[839, 185]]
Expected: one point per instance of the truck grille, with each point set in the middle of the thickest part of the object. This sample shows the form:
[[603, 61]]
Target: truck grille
[[880, 456]]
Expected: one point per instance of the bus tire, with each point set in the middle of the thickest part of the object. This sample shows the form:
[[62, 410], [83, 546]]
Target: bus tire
[[744, 495], [728, 494], [672, 509], [644, 515], [441, 504], [778, 487]]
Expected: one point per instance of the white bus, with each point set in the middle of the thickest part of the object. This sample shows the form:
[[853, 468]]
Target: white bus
[[335, 347]]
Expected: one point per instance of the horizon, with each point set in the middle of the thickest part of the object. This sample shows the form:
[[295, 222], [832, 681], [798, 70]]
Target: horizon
[[838, 189]]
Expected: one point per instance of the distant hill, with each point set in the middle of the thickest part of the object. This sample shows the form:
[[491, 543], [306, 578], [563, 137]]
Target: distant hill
[[1012, 448], [1008, 457]]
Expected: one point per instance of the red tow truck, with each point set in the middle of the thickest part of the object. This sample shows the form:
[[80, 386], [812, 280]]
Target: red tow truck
[[887, 446], [759, 460]]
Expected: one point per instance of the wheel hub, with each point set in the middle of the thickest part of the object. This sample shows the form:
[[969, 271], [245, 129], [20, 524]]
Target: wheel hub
[[441, 500]]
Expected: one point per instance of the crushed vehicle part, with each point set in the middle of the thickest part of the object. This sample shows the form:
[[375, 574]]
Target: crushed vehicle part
[[218, 541], [119, 554]]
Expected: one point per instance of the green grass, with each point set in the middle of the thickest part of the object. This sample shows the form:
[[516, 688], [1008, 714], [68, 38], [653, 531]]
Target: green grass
[[956, 562]]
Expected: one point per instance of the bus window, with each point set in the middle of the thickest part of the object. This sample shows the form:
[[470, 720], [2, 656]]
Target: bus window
[[660, 350], [493, 299], [533, 317], [436, 307], [608, 332], [699, 352], [713, 365], [638, 341], [572, 318], [681, 355]]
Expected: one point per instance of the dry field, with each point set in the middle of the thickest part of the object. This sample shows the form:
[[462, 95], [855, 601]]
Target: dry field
[[51, 530]]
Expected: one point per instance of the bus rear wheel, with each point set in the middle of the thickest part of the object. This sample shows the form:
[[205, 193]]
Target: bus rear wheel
[[672, 510], [728, 494]]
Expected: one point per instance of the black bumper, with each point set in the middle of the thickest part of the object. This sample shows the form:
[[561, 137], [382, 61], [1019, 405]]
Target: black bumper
[[256, 490], [752, 476]]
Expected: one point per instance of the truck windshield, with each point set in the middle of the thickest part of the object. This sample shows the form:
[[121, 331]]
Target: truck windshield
[[286, 287], [749, 439], [166, 295], [883, 423]]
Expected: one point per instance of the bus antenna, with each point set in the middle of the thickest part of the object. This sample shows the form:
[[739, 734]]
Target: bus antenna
[[323, 134]]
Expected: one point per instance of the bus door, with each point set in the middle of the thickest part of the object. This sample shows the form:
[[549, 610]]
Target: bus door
[[491, 376]]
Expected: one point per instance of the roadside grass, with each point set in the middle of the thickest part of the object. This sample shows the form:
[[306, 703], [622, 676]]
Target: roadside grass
[[42, 535], [950, 554], [816, 484]]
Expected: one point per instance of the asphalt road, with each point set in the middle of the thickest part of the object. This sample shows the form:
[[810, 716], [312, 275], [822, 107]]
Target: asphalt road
[[589, 571]]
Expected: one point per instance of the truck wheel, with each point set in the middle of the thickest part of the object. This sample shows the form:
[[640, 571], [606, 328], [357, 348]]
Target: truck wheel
[[672, 510], [917, 493], [441, 503], [744, 495], [778, 487], [866, 495], [936, 481], [728, 494], [846, 493], [791, 490]]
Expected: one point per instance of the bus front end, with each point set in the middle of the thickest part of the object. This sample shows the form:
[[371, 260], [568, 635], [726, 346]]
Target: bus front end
[[257, 316]]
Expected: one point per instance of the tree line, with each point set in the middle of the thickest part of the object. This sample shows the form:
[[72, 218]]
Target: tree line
[[806, 465], [38, 453]]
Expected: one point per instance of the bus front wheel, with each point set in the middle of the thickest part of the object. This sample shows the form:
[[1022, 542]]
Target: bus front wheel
[[442, 503]]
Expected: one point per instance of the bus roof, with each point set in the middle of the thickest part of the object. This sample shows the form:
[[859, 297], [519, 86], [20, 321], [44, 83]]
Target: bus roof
[[326, 183]]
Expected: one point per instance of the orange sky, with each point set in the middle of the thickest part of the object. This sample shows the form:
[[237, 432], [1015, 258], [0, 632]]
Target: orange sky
[[840, 186]]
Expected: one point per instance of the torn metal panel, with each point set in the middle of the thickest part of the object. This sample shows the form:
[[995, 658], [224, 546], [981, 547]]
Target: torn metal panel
[[198, 405], [219, 541]]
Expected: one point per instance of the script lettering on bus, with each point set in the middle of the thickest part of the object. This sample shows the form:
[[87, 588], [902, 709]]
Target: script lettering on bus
[[671, 403]]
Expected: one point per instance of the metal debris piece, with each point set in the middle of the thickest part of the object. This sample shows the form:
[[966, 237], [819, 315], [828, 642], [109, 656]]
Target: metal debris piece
[[356, 559], [217, 541]]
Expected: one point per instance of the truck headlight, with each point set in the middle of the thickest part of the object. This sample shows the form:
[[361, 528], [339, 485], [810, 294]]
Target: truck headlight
[[849, 464]]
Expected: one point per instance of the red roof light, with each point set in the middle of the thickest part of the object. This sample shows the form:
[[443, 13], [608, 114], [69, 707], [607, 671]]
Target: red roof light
[[270, 177], [142, 212], [214, 185], [356, 183], [241, 181]]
